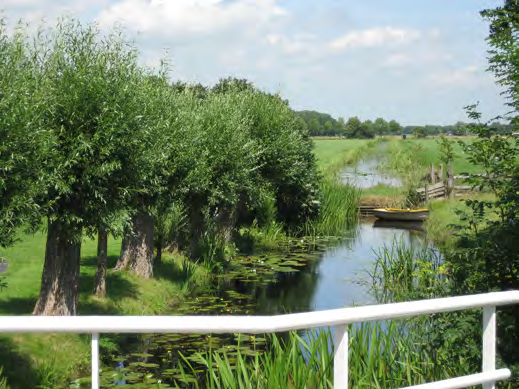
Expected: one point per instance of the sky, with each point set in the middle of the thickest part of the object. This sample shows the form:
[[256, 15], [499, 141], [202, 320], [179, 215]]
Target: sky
[[415, 61]]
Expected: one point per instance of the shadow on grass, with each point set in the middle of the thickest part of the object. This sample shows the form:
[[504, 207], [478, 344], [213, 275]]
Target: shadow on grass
[[168, 271], [18, 369], [17, 306], [117, 287]]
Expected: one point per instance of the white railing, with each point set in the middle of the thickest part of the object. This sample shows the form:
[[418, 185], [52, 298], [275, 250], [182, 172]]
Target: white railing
[[340, 318]]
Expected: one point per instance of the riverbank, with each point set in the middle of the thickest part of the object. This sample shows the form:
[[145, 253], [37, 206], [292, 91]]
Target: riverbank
[[408, 160], [53, 360]]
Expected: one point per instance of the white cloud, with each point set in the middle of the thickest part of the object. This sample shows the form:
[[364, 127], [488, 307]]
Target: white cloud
[[174, 17], [380, 36], [397, 60], [463, 76], [297, 43]]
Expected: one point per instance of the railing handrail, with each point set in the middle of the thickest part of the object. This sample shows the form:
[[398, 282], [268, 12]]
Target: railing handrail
[[249, 324], [340, 318]]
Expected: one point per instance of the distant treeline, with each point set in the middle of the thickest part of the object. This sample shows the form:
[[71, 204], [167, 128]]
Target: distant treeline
[[323, 124]]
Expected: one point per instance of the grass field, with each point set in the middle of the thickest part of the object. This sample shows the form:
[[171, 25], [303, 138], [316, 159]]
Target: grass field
[[410, 159], [29, 360], [333, 154], [428, 153]]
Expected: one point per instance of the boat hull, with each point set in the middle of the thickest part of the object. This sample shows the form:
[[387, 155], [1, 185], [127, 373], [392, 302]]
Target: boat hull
[[402, 215], [410, 225]]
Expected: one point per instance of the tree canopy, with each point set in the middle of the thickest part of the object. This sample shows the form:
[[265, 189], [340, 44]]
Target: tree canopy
[[92, 142]]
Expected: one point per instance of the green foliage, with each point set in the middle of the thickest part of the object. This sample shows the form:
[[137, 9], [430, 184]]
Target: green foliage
[[321, 123], [503, 40], [446, 150], [394, 127], [404, 272], [24, 143], [356, 129], [383, 355], [338, 210], [212, 253], [497, 156], [187, 274], [3, 380], [380, 126], [420, 132]]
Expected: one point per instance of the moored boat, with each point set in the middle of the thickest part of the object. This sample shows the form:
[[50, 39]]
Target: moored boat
[[401, 214]]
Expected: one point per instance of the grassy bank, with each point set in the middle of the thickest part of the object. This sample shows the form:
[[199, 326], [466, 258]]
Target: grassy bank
[[334, 154], [48, 361], [410, 160]]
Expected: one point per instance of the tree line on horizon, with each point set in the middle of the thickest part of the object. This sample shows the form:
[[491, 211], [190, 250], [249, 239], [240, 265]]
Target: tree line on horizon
[[323, 124]]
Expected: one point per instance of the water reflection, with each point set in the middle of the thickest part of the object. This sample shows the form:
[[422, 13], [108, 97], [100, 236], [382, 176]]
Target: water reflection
[[323, 276], [366, 175], [400, 225], [342, 270]]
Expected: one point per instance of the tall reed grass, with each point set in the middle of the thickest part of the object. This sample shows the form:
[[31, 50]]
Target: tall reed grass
[[338, 210], [404, 272], [382, 355], [3, 380]]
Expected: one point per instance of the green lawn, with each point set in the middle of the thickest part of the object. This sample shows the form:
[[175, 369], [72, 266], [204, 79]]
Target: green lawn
[[333, 154], [29, 360], [429, 153]]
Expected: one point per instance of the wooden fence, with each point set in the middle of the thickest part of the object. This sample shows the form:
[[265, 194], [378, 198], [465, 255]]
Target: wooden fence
[[438, 186]]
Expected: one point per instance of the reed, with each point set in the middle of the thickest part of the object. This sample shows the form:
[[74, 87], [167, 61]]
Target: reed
[[382, 355], [404, 272], [3, 380], [187, 271], [339, 211]]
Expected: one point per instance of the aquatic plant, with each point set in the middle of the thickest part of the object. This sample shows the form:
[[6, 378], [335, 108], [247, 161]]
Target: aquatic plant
[[382, 355], [187, 273], [338, 210], [404, 272]]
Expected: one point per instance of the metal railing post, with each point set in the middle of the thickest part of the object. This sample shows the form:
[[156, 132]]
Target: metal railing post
[[489, 342], [95, 361], [340, 358]]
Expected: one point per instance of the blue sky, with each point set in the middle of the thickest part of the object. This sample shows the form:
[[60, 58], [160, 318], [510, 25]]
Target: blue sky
[[416, 61]]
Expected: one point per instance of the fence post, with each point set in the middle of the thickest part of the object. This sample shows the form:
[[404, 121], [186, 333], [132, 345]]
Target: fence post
[[340, 358], [489, 342], [95, 361], [450, 182], [440, 171], [432, 175]]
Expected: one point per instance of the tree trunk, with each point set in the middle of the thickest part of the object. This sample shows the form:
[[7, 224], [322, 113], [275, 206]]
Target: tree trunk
[[137, 246], [124, 257], [158, 257], [226, 222], [196, 225], [100, 277], [59, 291]]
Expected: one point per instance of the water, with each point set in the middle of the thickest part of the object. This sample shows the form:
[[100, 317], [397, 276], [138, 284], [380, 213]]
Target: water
[[329, 275], [367, 174], [304, 276], [343, 278]]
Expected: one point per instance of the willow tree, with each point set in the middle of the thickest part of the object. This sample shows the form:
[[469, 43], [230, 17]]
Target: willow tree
[[23, 144], [91, 92], [161, 170], [222, 157], [286, 167]]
